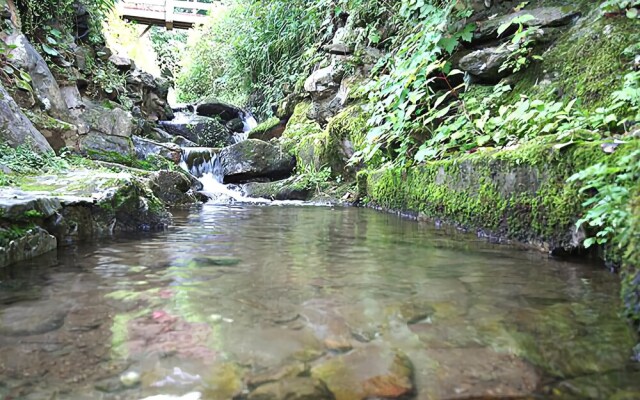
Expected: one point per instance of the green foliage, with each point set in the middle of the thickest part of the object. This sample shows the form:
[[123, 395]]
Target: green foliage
[[521, 44], [23, 160], [169, 47], [10, 74], [630, 8], [38, 14], [253, 46], [314, 178]]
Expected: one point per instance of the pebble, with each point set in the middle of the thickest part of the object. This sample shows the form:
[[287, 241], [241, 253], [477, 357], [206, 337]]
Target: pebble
[[130, 378]]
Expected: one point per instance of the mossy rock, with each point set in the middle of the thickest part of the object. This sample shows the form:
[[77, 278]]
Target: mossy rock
[[587, 62], [303, 138], [518, 194], [267, 130]]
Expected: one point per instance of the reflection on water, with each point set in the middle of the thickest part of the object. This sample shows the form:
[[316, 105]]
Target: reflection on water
[[238, 302]]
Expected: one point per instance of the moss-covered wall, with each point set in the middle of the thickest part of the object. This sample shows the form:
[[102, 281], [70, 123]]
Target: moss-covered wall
[[519, 194], [631, 265], [587, 62]]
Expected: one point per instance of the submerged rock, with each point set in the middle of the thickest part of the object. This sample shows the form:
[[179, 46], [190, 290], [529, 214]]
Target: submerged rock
[[252, 160], [372, 371], [297, 388], [33, 318]]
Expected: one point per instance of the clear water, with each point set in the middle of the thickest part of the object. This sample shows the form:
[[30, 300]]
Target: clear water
[[232, 292]]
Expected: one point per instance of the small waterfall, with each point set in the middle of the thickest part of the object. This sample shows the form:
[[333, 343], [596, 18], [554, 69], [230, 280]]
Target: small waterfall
[[204, 164]]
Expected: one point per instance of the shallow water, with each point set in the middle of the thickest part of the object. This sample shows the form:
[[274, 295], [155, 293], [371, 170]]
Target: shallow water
[[232, 294]]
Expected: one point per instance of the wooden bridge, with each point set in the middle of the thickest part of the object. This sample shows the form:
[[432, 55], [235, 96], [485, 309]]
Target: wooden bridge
[[171, 14]]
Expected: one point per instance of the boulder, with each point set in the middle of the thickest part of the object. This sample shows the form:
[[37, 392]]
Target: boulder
[[15, 127], [145, 147], [328, 91], [159, 135], [123, 64], [183, 142], [235, 125], [173, 187], [110, 131], [269, 129], [150, 95], [542, 17], [203, 131], [112, 121], [216, 109], [44, 84], [254, 160], [485, 63], [99, 146], [33, 243], [293, 188]]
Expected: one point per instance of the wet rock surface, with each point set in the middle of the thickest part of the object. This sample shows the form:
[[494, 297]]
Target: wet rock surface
[[368, 372], [203, 131], [253, 160]]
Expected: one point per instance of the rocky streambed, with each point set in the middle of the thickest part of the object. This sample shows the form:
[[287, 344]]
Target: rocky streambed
[[353, 304]]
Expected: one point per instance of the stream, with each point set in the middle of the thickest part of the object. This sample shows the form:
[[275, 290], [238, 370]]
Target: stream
[[235, 297]]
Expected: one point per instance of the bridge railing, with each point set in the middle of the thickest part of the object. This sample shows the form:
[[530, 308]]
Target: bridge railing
[[179, 11]]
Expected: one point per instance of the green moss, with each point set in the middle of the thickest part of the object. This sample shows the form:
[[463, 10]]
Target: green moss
[[33, 214], [43, 121], [303, 138], [151, 163], [351, 125], [265, 127], [587, 62], [519, 194]]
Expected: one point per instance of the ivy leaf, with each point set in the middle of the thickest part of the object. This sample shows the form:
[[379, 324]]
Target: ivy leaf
[[25, 76], [23, 85], [449, 44], [51, 40], [8, 69], [632, 13], [50, 51], [588, 242]]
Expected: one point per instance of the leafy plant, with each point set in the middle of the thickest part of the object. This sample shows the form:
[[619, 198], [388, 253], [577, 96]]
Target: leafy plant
[[607, 210], [10, 74], [520, 46], [630, 8]]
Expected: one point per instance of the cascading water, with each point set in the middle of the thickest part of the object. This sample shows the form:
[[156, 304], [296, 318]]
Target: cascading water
[[204, 164]]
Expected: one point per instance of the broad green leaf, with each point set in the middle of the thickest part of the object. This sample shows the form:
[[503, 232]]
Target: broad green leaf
[[49, 50]]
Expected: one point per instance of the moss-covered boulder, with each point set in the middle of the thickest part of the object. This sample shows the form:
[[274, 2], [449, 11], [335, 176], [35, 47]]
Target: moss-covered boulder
[[294, 188], [204, 131], [267, 130], [253, 160], [316, 148], [303, 138], [520, 194]]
